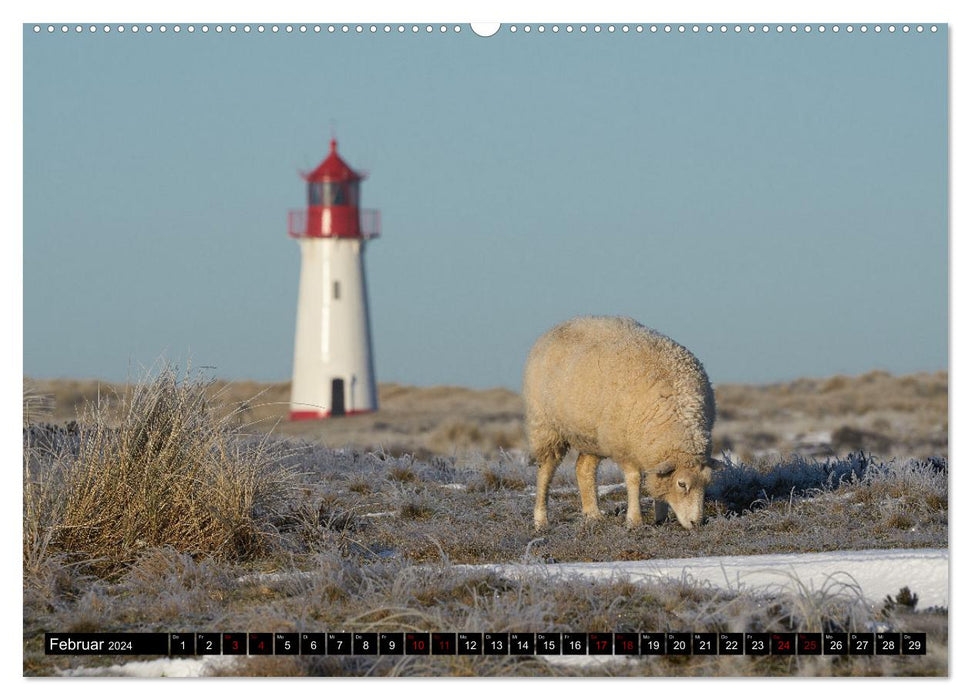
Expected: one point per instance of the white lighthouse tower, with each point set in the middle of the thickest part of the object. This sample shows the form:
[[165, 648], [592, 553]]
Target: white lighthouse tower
[[333, 368]]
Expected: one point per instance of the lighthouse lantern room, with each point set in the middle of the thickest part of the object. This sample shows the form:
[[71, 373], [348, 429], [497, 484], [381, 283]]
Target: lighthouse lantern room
[[333, 367]]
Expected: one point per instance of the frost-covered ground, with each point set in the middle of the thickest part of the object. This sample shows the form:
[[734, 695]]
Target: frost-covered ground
[[332, 537], [869, 574], [873, 574]]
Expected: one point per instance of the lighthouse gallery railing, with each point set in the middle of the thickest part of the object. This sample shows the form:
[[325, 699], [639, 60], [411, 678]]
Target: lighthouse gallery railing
[[370, 223]]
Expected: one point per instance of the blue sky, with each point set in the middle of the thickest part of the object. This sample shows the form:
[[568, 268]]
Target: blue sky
[[776, 202]]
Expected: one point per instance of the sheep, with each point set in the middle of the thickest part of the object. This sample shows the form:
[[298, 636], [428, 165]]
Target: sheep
[[612, 388]]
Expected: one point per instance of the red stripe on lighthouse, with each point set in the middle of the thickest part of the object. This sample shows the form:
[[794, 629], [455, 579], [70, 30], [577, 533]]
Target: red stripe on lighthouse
[[320, 415]]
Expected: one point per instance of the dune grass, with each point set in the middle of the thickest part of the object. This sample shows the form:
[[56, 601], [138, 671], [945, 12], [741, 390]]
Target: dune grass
[[170, 472]]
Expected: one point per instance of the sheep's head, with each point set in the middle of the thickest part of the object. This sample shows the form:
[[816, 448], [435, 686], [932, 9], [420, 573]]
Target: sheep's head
[[682, 487]]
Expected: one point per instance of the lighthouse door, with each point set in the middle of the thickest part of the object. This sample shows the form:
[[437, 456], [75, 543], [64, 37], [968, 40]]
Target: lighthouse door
[[337, 397]]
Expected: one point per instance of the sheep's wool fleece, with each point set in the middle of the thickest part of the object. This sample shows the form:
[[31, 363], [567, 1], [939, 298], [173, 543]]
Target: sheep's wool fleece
[[616, 388]]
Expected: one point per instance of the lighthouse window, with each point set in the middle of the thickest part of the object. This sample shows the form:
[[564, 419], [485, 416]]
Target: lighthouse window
[[335, 194], [315, 195], [331, 194], [337, 290]]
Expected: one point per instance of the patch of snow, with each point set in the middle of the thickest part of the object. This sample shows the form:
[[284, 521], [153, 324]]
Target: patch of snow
[[823, 437], [274, 577], [456, 487], [872, 574], [380, 514], [156, 668], [591, 661], [730, 456]]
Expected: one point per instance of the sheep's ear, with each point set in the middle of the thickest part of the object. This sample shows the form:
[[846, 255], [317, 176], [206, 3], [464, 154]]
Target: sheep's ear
[[664, 468], [716, 464]]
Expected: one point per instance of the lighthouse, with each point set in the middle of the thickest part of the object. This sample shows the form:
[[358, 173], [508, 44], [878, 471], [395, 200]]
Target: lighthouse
[[333, 367]]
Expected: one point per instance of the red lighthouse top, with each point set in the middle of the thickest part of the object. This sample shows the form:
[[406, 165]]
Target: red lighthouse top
[[333, 203], [333, 169]]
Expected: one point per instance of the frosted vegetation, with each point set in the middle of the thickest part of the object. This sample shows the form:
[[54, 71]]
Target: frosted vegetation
[[162, 515]]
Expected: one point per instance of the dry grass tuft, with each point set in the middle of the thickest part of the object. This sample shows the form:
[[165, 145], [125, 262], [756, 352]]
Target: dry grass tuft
[[403, 474], [360, 485], [496, 479], [416, 508], [171, 474]]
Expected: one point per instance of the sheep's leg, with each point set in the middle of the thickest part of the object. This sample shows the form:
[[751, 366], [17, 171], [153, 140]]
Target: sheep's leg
[[543, 477], [587, 481], [632, 477], [660, 511]]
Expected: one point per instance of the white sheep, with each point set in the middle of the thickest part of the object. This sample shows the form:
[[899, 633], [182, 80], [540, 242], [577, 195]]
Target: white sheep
[[612, 388]]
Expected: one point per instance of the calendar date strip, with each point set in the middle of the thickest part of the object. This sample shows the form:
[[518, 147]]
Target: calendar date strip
[[486, 643]]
